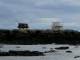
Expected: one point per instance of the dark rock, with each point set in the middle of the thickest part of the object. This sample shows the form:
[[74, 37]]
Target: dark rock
[[21, 53], [76, 56], [37, 53], [4, 54], [62, 48], [51, 50], [69, 51], [17, 47], [43, 47], [46, 51]]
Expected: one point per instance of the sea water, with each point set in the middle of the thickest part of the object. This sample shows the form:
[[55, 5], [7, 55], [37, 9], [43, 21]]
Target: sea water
[[59, 55]]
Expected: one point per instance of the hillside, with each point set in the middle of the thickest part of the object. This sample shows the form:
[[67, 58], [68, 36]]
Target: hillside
[[48, 36]]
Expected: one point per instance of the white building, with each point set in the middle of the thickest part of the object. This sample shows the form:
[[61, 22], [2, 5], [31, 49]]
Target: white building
[[57, 25]]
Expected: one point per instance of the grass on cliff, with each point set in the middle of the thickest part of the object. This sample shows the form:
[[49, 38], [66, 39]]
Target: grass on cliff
[[34, 31]]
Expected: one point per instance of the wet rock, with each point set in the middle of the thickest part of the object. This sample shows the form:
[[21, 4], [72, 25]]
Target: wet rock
[[46, 51], [76, 46], [43, 47], [17, 47], [51, 50], [4, 54], [69, 51], [37, 53], [76, 56], [21, 53], [62, 48]]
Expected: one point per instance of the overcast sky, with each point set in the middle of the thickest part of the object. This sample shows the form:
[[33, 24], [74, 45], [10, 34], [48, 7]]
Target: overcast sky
[[38, 14]]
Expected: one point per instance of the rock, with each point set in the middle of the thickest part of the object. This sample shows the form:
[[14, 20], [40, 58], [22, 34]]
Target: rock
[[53, 43], [46, 51], [21, 53], [69, 51], [51, 50], [37, 53], [17, 47], [43, 47], [76, 56], [62, 48], [76, 46]]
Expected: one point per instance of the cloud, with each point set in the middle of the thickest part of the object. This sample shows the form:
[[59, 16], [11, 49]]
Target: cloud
[[71, 24], [57, 2], [49, 19], [43, 22], [39, 13]]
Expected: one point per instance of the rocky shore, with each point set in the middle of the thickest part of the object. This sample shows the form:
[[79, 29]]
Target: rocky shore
[[33, 53], [21, 53]]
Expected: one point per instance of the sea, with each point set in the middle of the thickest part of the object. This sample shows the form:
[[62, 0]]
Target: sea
[[58, 55]]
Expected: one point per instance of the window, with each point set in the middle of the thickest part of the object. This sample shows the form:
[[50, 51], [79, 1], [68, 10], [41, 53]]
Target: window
[[25, 25]]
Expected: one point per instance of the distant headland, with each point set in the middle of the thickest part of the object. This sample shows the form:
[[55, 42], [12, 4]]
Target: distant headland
[[48, 36]]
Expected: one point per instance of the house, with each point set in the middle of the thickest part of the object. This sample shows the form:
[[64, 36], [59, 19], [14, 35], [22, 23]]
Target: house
[[22, 25]]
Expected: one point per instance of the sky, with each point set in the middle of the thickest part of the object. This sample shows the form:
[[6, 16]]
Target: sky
[[39, 14]]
